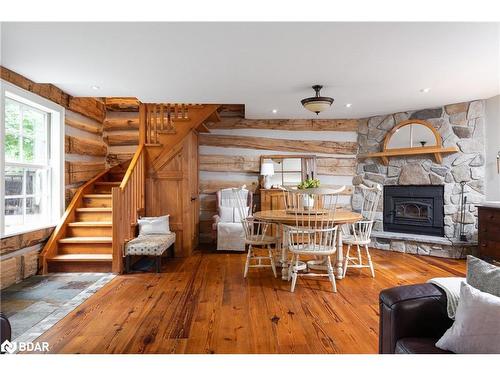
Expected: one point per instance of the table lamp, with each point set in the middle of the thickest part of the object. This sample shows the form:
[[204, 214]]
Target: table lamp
[[267, 170]]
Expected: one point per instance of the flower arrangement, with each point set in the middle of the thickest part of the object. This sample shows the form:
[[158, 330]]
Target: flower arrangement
[[309, 183]]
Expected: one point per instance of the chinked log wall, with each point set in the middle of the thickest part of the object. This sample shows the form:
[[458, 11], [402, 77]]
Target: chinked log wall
[[230, 155], [121, 129], [85, 157]]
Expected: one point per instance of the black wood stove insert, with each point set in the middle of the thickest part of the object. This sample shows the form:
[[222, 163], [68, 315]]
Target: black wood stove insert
[[417, 209]]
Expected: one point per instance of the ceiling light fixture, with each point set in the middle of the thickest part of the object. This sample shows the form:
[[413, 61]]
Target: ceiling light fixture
[[348, 105], [317, 103], [275, 111], [426, 90], [95, 87]]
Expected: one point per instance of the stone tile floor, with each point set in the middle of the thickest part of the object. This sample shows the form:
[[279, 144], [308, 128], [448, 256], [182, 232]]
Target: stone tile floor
[[37, 303]]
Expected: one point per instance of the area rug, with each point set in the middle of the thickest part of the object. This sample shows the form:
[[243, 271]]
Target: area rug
[[36, 304]]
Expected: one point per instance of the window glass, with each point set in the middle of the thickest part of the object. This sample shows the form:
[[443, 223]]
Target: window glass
[[26, 171]]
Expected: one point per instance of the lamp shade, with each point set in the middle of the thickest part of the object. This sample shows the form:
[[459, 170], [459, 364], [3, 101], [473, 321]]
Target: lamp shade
[[317, 103], [267, 168]]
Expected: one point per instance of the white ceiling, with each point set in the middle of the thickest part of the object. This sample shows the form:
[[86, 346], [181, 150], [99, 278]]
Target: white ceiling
[[378, 67]]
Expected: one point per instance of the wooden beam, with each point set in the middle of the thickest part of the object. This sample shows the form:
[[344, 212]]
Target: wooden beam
[[251, 164], [20, 241], [212, 186], [336, 166], [74, 145], [123, 104], [320, 125], [130, 122], [91, 128], [327, 147], [82, 171], [225, 163], [232, 110], [45, 90], [89, 107], [123, 139], [118, 158]]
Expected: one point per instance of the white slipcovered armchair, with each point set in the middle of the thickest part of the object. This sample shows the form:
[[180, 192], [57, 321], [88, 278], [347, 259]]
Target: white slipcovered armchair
[[227, 227]]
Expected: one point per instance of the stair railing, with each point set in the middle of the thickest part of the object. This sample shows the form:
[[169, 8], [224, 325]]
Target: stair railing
[[159, 118], [127, 200]]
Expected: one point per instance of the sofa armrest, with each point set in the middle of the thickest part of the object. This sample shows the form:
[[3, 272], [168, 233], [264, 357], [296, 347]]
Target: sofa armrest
[[411, 311], [5, 329]]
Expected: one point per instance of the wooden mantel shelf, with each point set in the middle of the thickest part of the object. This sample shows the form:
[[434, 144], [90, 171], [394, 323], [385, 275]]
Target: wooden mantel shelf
[[428, 150]]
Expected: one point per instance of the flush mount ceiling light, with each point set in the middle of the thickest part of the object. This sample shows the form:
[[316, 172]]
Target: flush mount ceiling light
[[425, 90], [317, 103], [95, 87]]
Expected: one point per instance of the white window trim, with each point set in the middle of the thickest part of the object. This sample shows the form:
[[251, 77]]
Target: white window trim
[[57, 113]]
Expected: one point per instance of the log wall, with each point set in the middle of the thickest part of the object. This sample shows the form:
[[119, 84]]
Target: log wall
[[230, 155]]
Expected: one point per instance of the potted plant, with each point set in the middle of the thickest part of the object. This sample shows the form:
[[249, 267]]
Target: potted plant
[[308, 183]]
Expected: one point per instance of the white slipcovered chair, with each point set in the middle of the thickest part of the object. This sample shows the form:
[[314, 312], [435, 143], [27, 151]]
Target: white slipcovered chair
[[227, 226], [358, 234]]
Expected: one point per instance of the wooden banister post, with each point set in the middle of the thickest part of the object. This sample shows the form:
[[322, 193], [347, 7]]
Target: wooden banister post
[[142, 124]]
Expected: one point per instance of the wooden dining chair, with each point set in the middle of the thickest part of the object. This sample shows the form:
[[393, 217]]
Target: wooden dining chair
[[314, 233], [359, 233], [258, 234]]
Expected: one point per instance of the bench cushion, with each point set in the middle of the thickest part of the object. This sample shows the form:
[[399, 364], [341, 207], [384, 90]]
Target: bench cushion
[[151, 244]]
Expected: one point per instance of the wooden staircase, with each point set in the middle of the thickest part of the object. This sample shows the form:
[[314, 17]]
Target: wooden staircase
[[100, 217], [87, 244]]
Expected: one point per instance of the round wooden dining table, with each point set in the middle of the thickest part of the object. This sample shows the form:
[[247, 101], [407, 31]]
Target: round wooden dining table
[[282, 217]]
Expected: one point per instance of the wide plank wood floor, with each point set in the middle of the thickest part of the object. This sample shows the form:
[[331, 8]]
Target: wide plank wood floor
[[202, 304]]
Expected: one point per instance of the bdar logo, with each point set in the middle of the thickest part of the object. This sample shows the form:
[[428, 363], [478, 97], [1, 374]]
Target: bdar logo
[[13, 347], [8, 347]]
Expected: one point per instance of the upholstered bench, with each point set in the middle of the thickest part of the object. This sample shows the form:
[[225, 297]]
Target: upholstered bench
[[149, 245]]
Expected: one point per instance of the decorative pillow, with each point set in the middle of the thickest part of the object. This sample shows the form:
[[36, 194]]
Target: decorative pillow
[[154, 225], [476, 329], [226, 214], [237, 215], [483, 276]]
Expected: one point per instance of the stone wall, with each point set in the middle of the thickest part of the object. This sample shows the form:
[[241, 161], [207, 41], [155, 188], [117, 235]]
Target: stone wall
[[460, 125]]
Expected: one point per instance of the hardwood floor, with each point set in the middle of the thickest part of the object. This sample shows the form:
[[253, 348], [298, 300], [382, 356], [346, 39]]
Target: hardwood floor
[[202, 304]]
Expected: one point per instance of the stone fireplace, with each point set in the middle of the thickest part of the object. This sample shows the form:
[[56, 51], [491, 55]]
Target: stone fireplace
[[414, 209], [460, 125]]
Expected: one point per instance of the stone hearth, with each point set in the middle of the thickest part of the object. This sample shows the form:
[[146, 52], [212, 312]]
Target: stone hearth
[[460, 125]]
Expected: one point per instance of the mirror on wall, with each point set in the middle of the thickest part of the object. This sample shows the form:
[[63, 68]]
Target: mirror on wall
[[412, 134], [288, 170]]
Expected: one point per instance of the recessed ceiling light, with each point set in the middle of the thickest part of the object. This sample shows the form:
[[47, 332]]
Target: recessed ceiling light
[[274, 111], [348, 105], [95, 87], [426, 90]]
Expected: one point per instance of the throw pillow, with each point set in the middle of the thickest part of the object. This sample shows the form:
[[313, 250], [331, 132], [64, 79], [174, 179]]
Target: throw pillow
[[226, 214], [476, 329], [154, 225], [483, 276]]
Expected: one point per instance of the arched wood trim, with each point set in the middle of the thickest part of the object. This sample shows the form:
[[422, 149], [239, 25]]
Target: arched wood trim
[[402, 124]]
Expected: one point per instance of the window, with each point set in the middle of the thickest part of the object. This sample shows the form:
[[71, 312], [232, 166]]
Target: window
[[31, 161]]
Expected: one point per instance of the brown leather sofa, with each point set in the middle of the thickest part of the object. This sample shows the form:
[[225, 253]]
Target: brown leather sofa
[[412, 319], [5, 329]]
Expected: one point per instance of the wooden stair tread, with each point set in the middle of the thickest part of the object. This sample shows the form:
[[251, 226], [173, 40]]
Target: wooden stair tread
[[104, 195], [94, 209], [90, 224], [105, 183], [81, 258], [86, 240], [153, 145]]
